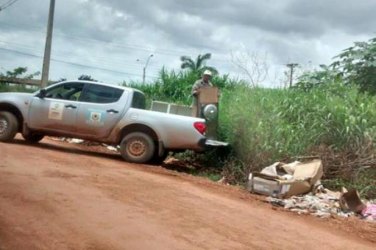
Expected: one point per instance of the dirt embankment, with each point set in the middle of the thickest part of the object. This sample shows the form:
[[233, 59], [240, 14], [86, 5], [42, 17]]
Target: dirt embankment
[[63, 196]]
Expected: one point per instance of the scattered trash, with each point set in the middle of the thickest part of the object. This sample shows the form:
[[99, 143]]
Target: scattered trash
[[296, 186], [75, 141], [322, 205], [369, 212], [111, 148], [325, 203], [223, 180], [285, 180], [350, 201]]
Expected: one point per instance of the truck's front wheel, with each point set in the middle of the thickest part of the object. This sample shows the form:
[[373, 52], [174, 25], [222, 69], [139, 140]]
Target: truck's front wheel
[[137, 147], [8, 126]]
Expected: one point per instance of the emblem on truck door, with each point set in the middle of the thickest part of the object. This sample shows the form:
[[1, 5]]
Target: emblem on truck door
[[95, 117]]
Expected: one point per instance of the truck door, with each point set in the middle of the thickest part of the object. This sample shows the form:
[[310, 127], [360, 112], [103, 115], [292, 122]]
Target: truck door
[[57, 110], [100, 110]]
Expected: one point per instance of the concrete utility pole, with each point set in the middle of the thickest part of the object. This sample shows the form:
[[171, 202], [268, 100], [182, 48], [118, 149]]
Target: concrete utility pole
[[47, 50], [292, 66]]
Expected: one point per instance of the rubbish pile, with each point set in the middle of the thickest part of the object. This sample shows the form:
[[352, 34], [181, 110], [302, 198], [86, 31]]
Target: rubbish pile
[[296, 187], [325, 204]]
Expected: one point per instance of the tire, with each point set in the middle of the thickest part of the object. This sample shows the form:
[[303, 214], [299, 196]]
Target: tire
[[137, 147], [33, 137], [8, 126]]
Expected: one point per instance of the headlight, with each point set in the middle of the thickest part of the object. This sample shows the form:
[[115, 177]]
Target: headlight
[[210, 112]]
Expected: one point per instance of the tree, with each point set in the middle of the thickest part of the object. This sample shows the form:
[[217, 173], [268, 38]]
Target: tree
[[314, 78], [199, 65], [86, 78], [254, 65], [357, 65], [19, 72]]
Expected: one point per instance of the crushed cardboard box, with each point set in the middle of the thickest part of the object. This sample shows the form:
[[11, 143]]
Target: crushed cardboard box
[[285, 180]]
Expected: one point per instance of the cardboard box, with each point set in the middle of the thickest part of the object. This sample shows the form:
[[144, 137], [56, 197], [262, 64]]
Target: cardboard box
[[208, 95], [303, 177]]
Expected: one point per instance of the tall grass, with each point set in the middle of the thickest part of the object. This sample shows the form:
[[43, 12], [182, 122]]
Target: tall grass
[[175, 87], [334, 122]]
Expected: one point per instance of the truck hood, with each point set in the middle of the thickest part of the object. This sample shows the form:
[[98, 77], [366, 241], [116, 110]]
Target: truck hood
[[6, 95], [15, 98]]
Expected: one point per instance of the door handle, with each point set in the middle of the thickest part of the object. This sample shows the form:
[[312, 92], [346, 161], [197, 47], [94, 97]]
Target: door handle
[[112, 111], [70, 106]]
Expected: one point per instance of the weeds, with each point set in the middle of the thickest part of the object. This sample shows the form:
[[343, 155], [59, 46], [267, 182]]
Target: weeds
[[334, 122]]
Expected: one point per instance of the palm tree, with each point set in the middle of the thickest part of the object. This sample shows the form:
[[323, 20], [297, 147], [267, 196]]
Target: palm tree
[[198, 65]]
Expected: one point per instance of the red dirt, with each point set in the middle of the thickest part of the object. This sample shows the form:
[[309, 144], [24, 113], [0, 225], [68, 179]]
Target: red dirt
[[56, 195]]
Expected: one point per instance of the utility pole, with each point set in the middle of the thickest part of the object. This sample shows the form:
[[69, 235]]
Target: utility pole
[[292, 66], [47, 50]]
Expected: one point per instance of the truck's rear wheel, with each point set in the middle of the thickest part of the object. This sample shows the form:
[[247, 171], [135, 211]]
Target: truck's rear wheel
[[32, 137], [137, 147], [8, 126]]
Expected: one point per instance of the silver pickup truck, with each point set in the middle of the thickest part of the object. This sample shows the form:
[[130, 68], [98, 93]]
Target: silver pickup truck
[[103, 113]]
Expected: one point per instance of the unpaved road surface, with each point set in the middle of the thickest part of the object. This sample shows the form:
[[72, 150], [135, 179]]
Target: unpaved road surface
[[61, 196]]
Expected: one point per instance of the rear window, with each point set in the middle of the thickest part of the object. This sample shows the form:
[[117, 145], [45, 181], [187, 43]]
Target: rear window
[[138, 100]]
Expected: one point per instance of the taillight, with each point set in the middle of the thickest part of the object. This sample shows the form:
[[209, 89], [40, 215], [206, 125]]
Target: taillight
[[200, 127]]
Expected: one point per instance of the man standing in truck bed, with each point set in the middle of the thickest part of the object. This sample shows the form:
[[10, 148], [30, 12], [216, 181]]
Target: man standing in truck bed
[[204, 82]]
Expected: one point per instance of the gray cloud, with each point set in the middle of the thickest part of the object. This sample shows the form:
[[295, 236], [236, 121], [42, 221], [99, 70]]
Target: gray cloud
[[113, 34]]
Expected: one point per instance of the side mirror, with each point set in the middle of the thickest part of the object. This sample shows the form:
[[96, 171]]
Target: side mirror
[[42, 93]]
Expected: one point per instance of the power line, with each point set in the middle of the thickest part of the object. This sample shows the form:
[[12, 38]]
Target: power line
[[73, 63], [7, 4], [112, 61]]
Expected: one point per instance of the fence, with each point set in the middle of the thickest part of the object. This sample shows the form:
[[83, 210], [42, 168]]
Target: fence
[[13, 80]]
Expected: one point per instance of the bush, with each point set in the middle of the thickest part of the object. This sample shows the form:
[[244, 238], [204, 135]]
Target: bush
[[17, 88]]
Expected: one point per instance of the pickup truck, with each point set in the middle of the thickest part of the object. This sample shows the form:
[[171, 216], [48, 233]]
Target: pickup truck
[[103, 113]]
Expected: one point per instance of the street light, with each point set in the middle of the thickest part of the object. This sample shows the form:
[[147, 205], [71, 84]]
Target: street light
[[144, 69]]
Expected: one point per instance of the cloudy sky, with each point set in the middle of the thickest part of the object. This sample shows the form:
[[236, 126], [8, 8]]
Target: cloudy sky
[[112, 39]]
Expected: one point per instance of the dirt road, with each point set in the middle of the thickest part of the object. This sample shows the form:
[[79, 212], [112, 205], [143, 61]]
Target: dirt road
[[59, 196]]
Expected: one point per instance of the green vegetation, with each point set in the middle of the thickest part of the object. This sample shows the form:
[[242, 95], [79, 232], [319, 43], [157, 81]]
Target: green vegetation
[[172, 86], [334, 122], [357, 65], [329, 114], [19, 72]]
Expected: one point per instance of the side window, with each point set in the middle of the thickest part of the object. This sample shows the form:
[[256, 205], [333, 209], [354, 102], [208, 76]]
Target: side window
[[138, 100], [101, 94], [67, 91]]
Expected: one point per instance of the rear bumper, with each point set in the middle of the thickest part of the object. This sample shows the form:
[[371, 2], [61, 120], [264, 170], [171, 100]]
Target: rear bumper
[[214, 143], [205, 143]]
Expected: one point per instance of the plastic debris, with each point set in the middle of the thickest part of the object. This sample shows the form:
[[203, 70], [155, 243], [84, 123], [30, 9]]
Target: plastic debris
[[75, 141], [112, 148], [323, 204], [369, 213]]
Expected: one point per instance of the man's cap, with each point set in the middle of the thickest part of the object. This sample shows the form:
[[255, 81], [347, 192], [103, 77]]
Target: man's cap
[[207, 72]]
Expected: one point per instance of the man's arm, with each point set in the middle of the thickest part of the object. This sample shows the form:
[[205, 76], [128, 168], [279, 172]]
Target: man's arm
[[196, 87]]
